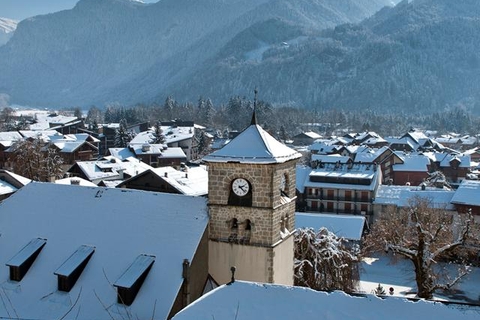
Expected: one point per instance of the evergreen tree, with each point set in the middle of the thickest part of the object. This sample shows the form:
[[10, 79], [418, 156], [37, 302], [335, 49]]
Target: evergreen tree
[[122, 135]]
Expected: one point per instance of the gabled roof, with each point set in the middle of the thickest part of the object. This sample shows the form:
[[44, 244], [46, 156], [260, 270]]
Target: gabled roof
[[259, 301], [253, 145], [110, 168], [401, 196], [412, 162], [192, 182], [467, 193], [121, 224]]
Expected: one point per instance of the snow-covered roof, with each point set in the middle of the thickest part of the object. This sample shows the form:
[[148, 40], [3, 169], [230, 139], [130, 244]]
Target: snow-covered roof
[[403, 141], [330, 158], [323, 148], [175, 133], [45, 135], [44, 121], [6, 188], [121, 153], [412, 162], [253, 145], [312, 135], [173, 152], [192, 182], [111, 168], [147, 148], [342, 177], [10, 136], [248, 300], [17, 179], [143, 137], [401, 195], [76, 181], [468, 193], [121, 225], [346, 226]]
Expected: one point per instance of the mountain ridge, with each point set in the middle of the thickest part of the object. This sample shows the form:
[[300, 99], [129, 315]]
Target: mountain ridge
[[132, 52]]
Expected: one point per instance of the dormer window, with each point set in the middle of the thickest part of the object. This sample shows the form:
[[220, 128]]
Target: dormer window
[[69, 272], [24, 259], [129, 284]]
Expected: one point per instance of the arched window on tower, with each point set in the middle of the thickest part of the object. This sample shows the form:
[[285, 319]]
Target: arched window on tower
[[233, 230], [247, 232]]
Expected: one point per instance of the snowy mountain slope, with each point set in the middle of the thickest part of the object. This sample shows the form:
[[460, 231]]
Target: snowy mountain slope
[[418, 56], [7, 27], [176, 71], [121, 50]]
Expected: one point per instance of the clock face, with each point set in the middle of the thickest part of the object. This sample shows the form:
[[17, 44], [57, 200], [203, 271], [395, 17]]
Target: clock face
[[240, 187]]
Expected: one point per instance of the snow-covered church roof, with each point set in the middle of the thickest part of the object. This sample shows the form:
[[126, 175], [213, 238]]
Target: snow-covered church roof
[[253, 145], [121, 225], [247, 300]]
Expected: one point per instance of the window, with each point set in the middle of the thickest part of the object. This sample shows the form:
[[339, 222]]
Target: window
[[24, 259], [129, 284], [69, 272]]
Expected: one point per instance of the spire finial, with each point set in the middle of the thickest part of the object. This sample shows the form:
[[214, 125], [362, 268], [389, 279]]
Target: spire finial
[[254, 116]]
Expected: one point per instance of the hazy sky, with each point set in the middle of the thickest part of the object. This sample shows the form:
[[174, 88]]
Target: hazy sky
[[21, 9]]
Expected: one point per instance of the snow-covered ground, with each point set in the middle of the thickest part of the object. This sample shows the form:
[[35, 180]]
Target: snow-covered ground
[[401, 277]]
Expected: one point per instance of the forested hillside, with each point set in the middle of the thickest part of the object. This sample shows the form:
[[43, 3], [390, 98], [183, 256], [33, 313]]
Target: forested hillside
[[417, 57], [104, 51]]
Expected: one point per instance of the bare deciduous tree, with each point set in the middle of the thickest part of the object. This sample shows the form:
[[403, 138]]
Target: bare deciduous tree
[[424, 235], [36, 161], [323, 262]]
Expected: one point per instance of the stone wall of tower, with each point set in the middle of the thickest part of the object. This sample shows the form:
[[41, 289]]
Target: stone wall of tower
[[270, 215]]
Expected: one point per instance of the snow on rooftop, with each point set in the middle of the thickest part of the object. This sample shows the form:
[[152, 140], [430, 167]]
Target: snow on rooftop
[[331, 158], [468, 193], [121, 153], [253, 145], [193, 182], [76, 181], [6, 188], [401, 195], [121, 225], [346, 226], [412, 162], [247, 300]]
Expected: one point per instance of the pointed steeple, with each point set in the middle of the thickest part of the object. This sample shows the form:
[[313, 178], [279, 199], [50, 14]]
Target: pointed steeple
[[254, 116]]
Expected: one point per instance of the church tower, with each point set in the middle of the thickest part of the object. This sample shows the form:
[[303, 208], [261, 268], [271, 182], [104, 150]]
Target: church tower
[[251, 195]]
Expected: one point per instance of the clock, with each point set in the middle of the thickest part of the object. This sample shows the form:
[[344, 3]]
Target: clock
[[240, 187]]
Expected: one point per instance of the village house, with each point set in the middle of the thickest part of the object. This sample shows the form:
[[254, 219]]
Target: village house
[[412, 171], [339, 188], [397, 197], [454, 166], [305, 138], [108, 169], [467, 198], [192, 181]]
